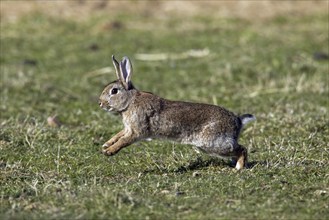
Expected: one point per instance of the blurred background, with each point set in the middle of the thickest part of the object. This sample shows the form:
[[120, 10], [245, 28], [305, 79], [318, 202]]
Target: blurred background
[[236, 41], [83, 9]]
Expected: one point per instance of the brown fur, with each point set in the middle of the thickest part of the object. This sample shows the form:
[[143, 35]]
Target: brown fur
[[210, 128]]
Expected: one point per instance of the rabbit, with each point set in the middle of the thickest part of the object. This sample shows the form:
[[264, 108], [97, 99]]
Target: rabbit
[[211, 129]]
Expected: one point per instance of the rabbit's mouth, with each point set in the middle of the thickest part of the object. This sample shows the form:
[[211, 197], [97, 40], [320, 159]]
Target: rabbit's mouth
[[108, 109]]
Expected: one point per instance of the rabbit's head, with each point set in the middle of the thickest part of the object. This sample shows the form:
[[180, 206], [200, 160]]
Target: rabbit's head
[[117, 95]]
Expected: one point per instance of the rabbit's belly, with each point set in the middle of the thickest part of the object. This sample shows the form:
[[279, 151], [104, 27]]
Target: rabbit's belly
[[222, 145]]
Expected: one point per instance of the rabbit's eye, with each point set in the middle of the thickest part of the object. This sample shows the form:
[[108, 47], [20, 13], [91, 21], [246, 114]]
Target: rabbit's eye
[[114, 91]]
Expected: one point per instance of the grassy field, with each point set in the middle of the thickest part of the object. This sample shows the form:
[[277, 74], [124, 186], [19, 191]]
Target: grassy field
[[274, 68]]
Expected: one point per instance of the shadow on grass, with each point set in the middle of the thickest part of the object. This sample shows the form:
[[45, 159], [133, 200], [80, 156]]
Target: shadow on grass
[[199, 164]]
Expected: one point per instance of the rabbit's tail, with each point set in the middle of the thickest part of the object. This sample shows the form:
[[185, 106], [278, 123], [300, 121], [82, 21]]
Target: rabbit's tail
[[246, 118]]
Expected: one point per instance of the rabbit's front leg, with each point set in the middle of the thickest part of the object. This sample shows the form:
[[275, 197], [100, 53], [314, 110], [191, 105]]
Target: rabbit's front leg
[[114, 139], [123, 141]]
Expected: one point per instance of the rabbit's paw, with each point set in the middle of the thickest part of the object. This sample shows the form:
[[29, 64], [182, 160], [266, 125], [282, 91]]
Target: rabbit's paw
[[106, 145], [108, 151], [239, 166]]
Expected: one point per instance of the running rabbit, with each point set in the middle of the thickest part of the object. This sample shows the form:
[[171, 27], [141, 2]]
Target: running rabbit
[[212, 129]]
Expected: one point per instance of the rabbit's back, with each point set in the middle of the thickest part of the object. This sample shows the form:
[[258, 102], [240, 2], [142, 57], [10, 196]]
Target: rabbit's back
[[202, 125], [190, 123]]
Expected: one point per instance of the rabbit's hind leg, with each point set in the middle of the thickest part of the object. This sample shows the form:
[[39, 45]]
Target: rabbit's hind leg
[[229, 147], [241, 155]]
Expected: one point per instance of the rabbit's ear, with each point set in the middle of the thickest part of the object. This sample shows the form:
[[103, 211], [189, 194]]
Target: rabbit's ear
[[117, 67], [126, 70]]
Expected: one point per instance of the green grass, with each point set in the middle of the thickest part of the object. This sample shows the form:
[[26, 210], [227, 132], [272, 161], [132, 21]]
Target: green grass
[[265, 68]]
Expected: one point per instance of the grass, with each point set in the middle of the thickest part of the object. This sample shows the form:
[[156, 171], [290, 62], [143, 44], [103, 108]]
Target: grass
[[53, 66]]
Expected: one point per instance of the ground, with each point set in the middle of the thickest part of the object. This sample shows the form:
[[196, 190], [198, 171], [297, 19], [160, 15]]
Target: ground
[[262, 59]]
